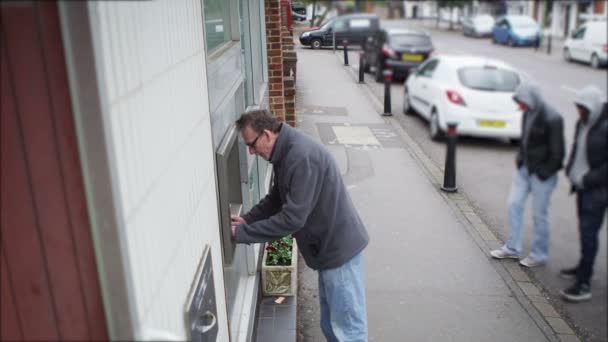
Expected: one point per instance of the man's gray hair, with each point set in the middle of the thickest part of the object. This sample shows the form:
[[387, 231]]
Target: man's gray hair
[[258, 120]]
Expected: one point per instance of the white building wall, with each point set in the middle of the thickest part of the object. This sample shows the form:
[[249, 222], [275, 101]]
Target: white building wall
[[152, 57]]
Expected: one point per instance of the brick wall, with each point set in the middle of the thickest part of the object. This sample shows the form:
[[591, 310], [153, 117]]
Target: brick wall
[[281, 63]]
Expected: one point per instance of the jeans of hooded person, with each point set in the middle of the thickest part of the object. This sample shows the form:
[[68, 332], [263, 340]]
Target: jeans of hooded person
[[523, 184], [590, 216], [342, 298]]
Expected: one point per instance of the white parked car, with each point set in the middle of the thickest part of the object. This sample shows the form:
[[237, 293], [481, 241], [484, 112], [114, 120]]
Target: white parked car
[[589, 44], [475, 92], [478, 26]]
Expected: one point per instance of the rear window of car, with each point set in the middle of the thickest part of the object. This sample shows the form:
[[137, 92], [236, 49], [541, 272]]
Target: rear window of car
[[522, 22], [484, 20], [488, 78], [410, 39]]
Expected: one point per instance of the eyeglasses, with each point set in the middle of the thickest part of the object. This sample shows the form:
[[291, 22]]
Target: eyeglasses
[[252, 144]]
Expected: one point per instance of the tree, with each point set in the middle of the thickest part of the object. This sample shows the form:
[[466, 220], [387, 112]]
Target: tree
[[451, 4]]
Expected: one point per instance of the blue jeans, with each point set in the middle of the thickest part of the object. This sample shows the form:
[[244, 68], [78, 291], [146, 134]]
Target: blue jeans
[[590, 217], [524, 184], [342, 297]]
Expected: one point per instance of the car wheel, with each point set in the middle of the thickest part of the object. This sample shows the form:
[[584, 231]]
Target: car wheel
[[494, 41], [435, 129], [315, 44], [407, 107], [514, 141], [567, 56], [510, 42], [595, 62]]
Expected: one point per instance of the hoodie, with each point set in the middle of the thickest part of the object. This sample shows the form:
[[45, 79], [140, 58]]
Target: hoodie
[[542, 142], [590, 98], [529, 93]]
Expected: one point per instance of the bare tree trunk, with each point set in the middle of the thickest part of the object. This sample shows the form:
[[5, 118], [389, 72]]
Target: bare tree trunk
[[314, 11], [450, 18]]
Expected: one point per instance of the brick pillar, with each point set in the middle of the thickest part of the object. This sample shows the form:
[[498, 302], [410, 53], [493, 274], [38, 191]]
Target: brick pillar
[[289, 77], [274, 50]]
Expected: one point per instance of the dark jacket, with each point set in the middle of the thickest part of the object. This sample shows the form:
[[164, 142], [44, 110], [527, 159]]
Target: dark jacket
[[542, 144], [596, 152], [308, 198]]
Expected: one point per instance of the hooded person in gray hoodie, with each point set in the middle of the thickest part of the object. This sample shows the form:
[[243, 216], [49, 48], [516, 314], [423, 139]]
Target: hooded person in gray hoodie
[[587, 170], [540, 156]]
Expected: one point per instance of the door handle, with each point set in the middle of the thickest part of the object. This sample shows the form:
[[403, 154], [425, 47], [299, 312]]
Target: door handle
[[205, 322]]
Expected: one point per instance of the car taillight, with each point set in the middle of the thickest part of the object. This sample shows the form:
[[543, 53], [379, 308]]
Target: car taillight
[[521, 107], [606, 48], [387, 51], [455, 98]]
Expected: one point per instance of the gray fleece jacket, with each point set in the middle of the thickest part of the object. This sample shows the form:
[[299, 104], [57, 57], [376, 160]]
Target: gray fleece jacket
[[308, 199], [589, 97]]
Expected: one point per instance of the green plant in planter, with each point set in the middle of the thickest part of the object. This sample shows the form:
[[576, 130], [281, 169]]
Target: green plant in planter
[[279, 252]]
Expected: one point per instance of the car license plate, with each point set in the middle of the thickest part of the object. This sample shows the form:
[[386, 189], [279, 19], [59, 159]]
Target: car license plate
[[410, 57], [492, 123]]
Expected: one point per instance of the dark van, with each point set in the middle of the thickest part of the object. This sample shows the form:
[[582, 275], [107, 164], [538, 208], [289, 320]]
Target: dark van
[[355, 28]]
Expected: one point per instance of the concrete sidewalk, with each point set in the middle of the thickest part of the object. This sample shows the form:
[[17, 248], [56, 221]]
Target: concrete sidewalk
[[428, 274]]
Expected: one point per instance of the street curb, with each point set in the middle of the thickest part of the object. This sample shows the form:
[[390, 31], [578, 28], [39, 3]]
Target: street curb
[[527, 293]]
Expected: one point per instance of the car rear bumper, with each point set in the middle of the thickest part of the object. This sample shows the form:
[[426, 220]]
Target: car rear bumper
[[480, 125], [526, 41], [402, 67]]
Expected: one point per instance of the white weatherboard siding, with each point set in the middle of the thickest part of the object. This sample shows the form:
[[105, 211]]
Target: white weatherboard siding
[[152, 60]]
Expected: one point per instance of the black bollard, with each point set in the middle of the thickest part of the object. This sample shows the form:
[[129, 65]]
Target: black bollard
[[549, 44], [449, 173], [361, 74], [345, 46], [388, 77]]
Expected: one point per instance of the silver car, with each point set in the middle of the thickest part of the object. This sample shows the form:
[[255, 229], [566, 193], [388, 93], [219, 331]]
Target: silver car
[[478, 26]]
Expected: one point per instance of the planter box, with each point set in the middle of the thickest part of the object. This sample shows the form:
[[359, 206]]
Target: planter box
[[280, 280]]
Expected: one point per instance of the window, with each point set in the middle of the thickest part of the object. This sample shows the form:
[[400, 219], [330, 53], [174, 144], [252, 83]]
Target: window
[[253, 45], [410, 39], [360, 23], [580, 34], [428, 68], [217, 23], [488, 78], [340, 25]]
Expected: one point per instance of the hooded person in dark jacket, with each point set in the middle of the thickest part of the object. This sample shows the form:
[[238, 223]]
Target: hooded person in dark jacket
[[587, 170], [540, 156], [308, 200]]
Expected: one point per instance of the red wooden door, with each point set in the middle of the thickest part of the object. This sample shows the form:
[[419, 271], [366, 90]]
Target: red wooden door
[[49, 283]]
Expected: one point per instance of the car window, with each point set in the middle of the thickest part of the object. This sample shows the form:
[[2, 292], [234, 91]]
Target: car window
[[428, 69], [580, 33], [409, 40], [481, 20], [326, 25], [488, 78], [340, 25], [522, 22], [360, 24]]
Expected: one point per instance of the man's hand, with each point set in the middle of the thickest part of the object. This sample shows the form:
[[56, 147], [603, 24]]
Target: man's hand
[[235, 221]]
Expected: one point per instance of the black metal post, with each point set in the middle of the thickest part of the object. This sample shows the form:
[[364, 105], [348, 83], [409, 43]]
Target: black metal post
[[549, 44], [388, 76], [361, 75], [345, 47], [449, 172]]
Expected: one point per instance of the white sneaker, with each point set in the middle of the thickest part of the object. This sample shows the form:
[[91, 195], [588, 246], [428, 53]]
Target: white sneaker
[[531, 262], [501, 254]]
